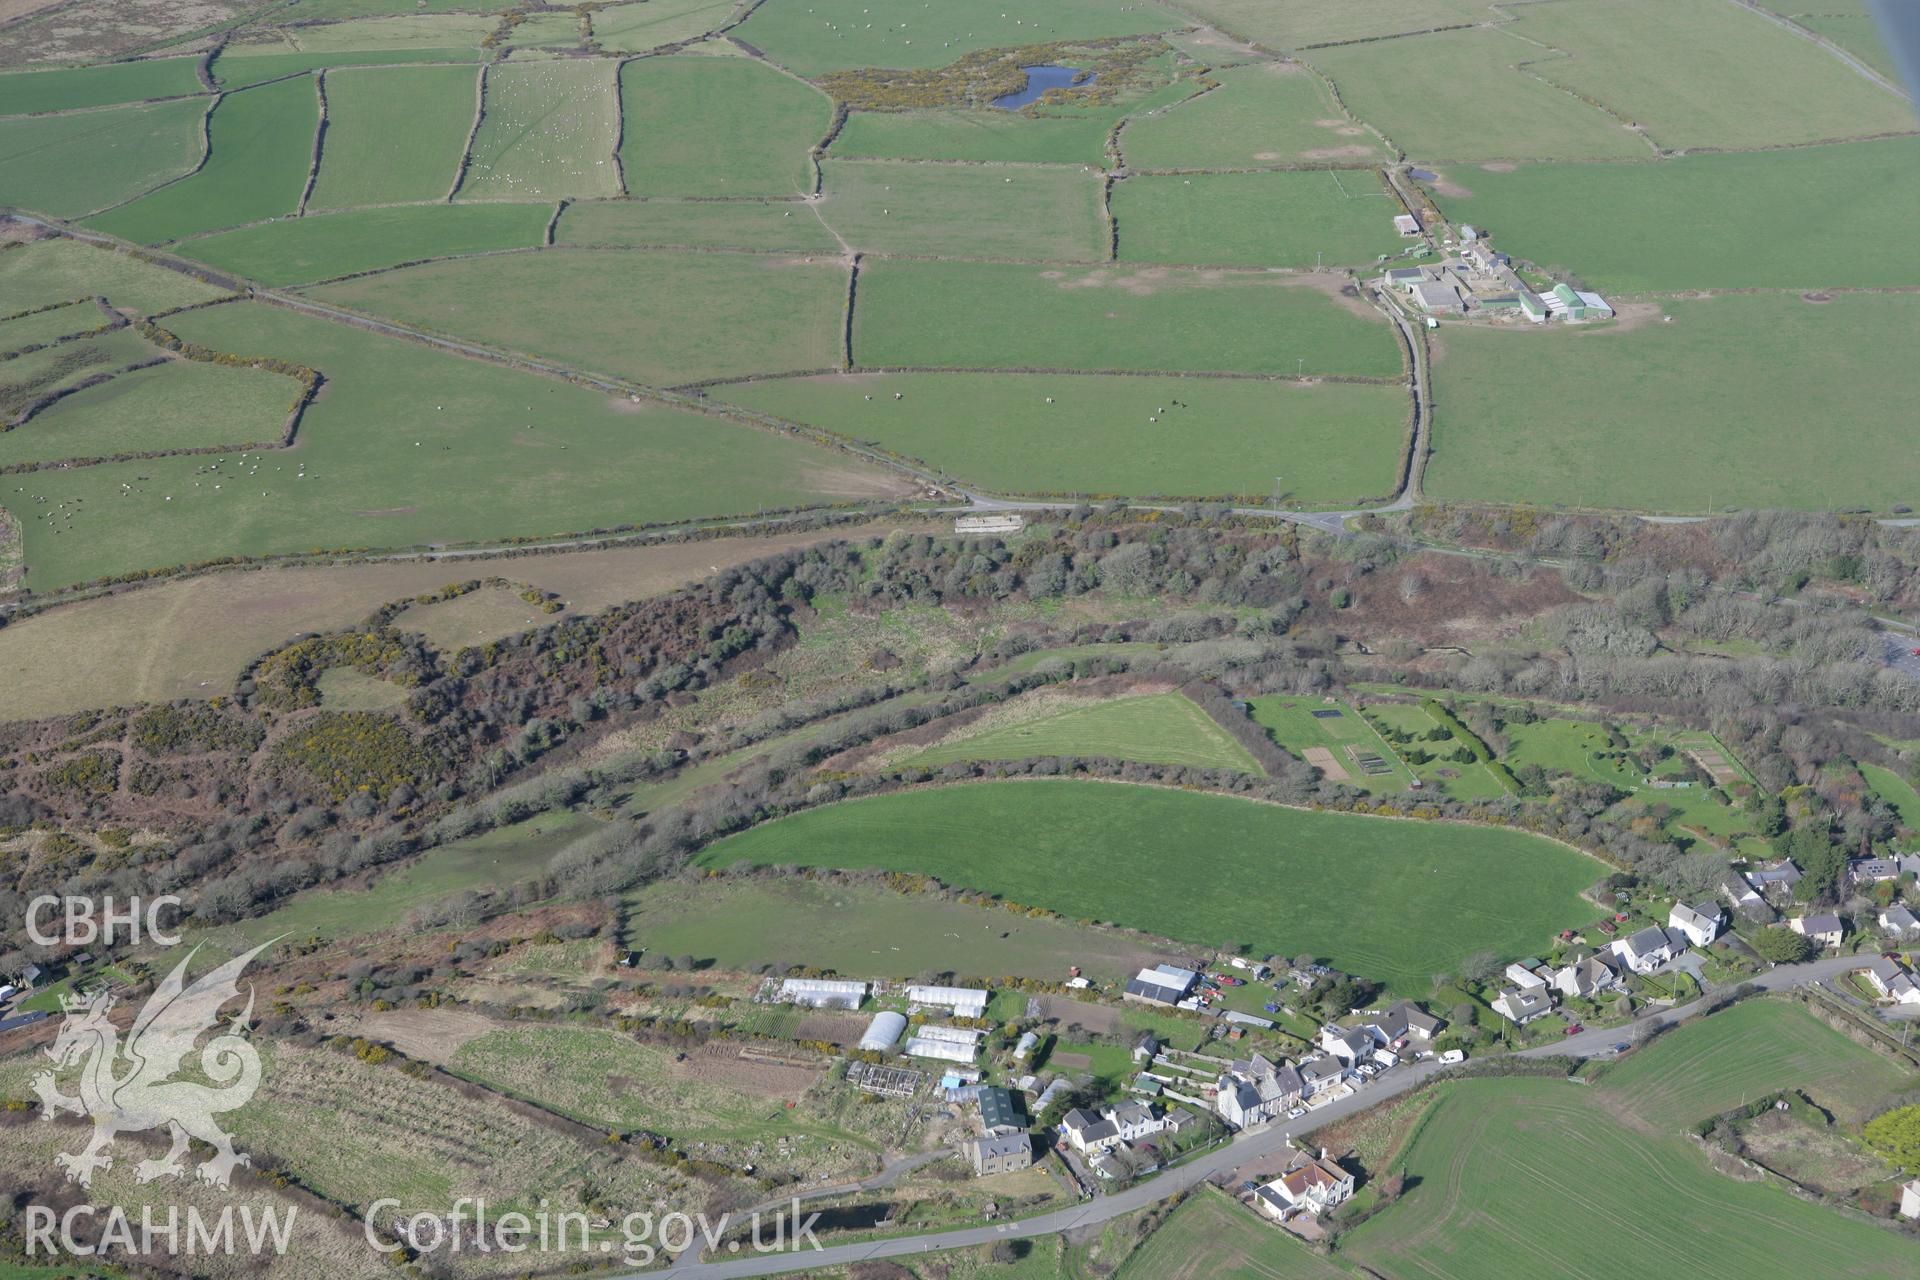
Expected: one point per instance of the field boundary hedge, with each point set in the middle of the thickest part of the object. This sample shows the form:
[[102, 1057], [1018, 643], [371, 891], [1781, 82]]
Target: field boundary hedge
[[206, 154], [479, 114], [319, 142]]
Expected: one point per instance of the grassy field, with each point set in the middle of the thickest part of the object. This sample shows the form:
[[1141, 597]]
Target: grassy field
[[986, 211], [741, 224], [1294, 725], [1460, 95], [322, 246], [49, 326], [1163, 728], [757, 313], [718, 127], [1703, 411], [1560, 746], [1857, 33], [364, 483], [1709, 221], [238, 68], [178, 405], [745, 923], [633, 28], [548, 131], [344, 689], [1451, 778], [1148, 318], [1742, 1053], [1895, 790], [60, 270], [1278, 879], [262, 142], [1303, 219], [1270, 113], [1698, 73], [1210, 1237], [68, 88], [832, 34], [407, 31], [74, 164], [1085, 433], [25, 378], [1037, 135], [1306, 22], [1493, 1159], [192, 638], [366, 160]]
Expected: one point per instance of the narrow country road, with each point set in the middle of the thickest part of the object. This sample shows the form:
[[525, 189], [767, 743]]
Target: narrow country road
[[1247, 1146]]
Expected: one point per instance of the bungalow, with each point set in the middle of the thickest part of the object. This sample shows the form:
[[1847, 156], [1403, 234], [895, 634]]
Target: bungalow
[[1897, 919], [1650, 948], [1522, 1007], [1320, 1075], [1255, 1091], [1824, 930], [1776, 881], [1003, 1153], [1406, 1021], [1892, 981], [1163, 984], [1870, 870], [1527, 975], [1701, 923], [1352, 1045], [1746, 899], [1313, 1183], [1586, 978]]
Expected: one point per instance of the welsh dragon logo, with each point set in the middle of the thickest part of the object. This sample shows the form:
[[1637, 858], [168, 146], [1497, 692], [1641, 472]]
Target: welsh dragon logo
[[128, 1088]]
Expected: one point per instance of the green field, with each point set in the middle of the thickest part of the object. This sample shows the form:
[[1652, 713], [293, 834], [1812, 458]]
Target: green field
[[1494, 1162], [1703, 411], [551, 457], [867, 930], [74, 164], [1561, 746], [634, 28], [1299, 219], [548, 130], [733, 224], [333, 10], [68, 88], [829, 35], [1033, 135], [262, 144], [1306, 22], [1160, 728], [408, 31], [26, 378], [1702, 73], [1452, 778], [1270, 113], [49, 326], [699, 126], [1890, 787], [757, 313], [60, 270], [365, 160], [1092, 434], [178, 405], [1294, 725], [1857, 33], [239, 68], [1461, 95], [1755, 1048], [960, 210], [1210, 1237], [1709, 221], [956, 315], [320, 247], [1277, 879]]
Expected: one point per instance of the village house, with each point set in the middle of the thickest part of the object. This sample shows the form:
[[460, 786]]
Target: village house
[[1527, 975], [1872, 870], [1586, 978], [1701, 923], [1824, 930], [1256, 1091], [1910, 1199], [1405, 1021], [1900, 921], [1352, 1045], [1892, 981], [1003, 1153], [1521, 1007], [1747, 900], [1775, 881], [1088, 1132], [1313, 1183], [1650, 948], [1319, 1075]]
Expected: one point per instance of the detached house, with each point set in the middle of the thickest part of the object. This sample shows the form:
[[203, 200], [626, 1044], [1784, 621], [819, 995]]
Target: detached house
[[1521, 1007], [1701, 923], [1320, 1075], [1352, 1045], [1775, 881], [1892, 981], [1586, 978], [1090, 1133], [1406, 1021], [1650, 948], [1527, 975], [1313, 1183], [1899, 920], [1823, 930], [1006, 1153]]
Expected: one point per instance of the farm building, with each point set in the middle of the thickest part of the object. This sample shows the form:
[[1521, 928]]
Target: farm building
[[998, 1115], [1437, 296], [1406, 224], [995, 522], [1005, 1153], [883, 1032], [1571, 304], [823, 993], [966, 1002], [1163, 984], [1533, 306], [1406, 277]]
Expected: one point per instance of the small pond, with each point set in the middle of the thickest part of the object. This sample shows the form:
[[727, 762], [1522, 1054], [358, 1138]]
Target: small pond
[[1039, 80]]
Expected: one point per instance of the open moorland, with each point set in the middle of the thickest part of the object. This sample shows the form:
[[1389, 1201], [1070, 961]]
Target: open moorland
[[1071, 846]]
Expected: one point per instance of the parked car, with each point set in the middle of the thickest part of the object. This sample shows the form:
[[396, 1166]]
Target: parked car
[[1296, 1113], [1271, 1008], [1573, 1030]]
